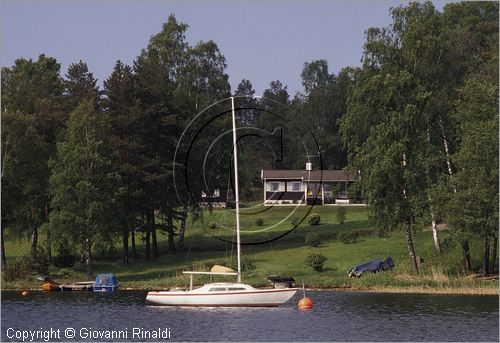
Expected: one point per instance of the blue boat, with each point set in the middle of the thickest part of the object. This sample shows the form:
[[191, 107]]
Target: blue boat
[[372, 266], [105, 283]]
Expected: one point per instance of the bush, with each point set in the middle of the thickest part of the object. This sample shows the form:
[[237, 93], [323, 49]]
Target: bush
[[212, 226], [341, 211], [365, 232], [17, 269], [348, 237], [24, 266], [247, 263], [259, 222], [316, 261], [314, 219], [312, 239]]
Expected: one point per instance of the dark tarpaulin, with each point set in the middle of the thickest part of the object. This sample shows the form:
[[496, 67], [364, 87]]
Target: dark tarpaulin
[[372, 266]]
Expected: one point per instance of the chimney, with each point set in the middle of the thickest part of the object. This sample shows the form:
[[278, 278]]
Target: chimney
[[309, 166]]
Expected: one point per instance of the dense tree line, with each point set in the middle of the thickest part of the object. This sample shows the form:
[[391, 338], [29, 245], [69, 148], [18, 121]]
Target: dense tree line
[[422, 122], [419, 119]]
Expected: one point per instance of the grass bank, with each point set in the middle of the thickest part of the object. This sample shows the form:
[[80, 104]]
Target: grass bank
[[274, 249]]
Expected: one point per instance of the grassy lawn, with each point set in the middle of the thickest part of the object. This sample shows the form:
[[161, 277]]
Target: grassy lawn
[[285, 256]]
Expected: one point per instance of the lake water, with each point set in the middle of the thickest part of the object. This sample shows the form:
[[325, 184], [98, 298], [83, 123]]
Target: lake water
[[337, 316]]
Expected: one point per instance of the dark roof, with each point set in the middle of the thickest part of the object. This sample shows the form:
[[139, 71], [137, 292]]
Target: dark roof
[[316, 175]]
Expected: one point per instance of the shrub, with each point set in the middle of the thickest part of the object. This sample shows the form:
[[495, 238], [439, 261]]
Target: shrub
[[247, 263], [348, 237], [22, 267], [212, 226], [17, 269], [314, 219], [316, 261], [259, 222], [312, 239], [341, 211], [365, 232]]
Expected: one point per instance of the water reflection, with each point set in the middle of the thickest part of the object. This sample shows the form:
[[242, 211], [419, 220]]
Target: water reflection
[[336, 316]]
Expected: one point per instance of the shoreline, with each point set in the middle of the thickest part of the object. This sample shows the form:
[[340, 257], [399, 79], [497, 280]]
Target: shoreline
[[383, 289]]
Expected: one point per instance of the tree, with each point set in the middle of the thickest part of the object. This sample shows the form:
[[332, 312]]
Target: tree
[[248, 115], [315, 75], [409, 84], [123, 116], [80, 85], [322, 106], [84, 183], [201, 83], [31, 87], [157, 75], [31, 119], [385, 138], [472, 209]]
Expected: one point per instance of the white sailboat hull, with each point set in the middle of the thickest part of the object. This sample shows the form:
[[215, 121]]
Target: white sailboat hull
[[245, 296]]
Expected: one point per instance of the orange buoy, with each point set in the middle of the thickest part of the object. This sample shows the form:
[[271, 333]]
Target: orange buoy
[[24, 293], [305, 304]]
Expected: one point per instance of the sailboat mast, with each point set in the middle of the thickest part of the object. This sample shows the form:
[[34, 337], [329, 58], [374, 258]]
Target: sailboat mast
[[236, 192]]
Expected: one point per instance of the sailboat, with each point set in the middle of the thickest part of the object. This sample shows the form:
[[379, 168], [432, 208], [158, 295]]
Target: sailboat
[[225, 294]]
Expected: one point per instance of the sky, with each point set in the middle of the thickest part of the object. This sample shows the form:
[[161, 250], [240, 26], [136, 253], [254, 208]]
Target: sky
[[262, 41]]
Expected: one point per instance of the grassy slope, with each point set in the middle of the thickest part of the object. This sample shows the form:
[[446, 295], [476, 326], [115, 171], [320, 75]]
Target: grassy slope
[[286, 255]]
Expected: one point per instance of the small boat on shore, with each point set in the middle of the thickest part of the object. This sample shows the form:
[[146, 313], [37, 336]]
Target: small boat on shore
[[48, 284], [78, 286], [51, 286], [105, 283]]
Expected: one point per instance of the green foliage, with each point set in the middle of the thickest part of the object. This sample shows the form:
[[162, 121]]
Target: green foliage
[[84, 183], [314, 219], [26, 266], [403, 123], [40, 262], [65, 257], [247, 263], [312, 239], [18, 269], [316, 261], [348, 237], [212, 226], [341, 214], [259, 222]]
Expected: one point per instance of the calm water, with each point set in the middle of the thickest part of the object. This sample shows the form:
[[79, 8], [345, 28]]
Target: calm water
[[336, 317]]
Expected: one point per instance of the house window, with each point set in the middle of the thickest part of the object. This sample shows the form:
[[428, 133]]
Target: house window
[[275, 186], [295, 186]]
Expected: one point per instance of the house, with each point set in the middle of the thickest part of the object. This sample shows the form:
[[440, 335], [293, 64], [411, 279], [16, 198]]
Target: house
[[216, 198], [320, 187]]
